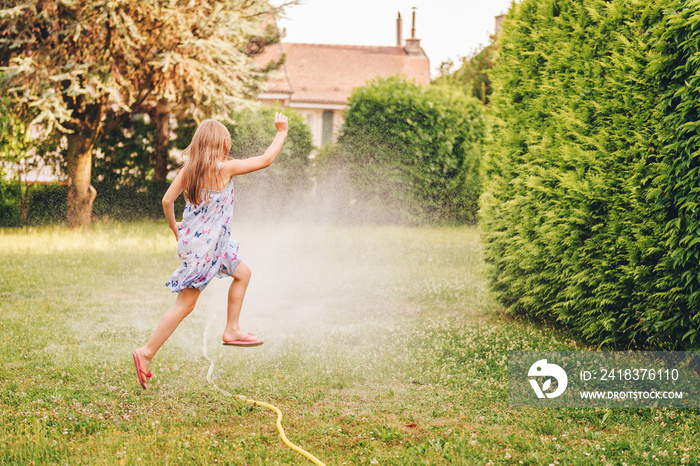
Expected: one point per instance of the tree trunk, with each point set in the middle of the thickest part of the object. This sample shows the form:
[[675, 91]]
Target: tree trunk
[[86, 127], [24, 181], [162, 138], [24, 205], [81, 193]]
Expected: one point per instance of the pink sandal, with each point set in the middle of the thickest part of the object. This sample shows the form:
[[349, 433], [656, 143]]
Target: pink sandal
[[242, 342], [139, 373]]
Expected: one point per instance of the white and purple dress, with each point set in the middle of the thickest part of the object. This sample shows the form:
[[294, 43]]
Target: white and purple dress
[[205, 244]]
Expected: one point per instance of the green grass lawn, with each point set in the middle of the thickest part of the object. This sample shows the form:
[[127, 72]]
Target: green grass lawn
[[383, 346]]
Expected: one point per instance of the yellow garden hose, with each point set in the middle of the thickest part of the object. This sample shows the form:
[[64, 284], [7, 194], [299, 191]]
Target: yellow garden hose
[[301, 451], [284, 438]]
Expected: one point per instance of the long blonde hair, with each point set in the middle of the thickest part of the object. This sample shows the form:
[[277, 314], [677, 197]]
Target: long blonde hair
[[209, 146]]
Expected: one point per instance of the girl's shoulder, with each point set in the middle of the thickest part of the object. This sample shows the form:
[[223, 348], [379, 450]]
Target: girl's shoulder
[[222, 179], [226, 168]]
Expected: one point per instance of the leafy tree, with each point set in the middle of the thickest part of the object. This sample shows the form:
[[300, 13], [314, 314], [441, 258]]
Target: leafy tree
[[67, 63], [19, 156], [124, 156], [414, 150], [162, 108], [10, 147], [472, 75]]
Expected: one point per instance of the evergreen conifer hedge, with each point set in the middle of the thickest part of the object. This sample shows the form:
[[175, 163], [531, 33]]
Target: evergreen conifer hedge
[[414, 150], [589, 213], [677, 186]]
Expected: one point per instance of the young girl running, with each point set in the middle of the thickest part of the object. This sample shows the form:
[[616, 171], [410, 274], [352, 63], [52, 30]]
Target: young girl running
[[204, 240]]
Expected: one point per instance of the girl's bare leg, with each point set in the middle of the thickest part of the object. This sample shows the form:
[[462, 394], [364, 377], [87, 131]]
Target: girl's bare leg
[[236, 293], [184, 304]]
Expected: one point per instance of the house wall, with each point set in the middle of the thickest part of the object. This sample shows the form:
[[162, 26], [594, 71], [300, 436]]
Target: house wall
[[313, 113], [315, 118]]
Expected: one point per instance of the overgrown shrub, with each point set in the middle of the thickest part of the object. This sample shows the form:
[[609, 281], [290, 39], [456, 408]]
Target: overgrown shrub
[[47, 204], [572, 228], [270, 190], [124, 155], [10, 198], [414, 151], [676, 190], [130, 203], [286, 180]]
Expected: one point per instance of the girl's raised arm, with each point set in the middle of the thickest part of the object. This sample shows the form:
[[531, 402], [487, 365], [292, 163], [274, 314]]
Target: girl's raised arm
[[169, 198], [239, 167]]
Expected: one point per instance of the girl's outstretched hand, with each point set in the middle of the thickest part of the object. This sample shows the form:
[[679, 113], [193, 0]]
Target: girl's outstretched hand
[[281, 122]]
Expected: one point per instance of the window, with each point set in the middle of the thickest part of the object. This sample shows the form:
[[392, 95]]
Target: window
[[327, 131]]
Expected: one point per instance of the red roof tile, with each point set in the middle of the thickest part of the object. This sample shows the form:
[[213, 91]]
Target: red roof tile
[[320, 73]]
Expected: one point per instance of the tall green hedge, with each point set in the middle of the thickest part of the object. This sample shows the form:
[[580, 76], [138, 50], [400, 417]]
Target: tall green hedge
[[414, 150], [577, 207], [677, 186]]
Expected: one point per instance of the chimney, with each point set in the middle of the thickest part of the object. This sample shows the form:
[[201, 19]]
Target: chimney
[[413, 47], [399, 31], [499, 23], [413, 25]]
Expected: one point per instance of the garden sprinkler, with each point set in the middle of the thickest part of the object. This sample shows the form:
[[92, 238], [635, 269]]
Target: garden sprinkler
[[243, 398]]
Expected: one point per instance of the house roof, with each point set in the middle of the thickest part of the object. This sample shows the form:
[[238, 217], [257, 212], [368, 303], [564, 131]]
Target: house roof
[[322, 73]]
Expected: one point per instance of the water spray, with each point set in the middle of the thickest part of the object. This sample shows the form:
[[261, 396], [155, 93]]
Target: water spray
[[245, 399]]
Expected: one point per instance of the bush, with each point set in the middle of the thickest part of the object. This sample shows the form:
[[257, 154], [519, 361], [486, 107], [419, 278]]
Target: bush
[[571, 227], [47, 204], [414, 151], [266, 191], [124, 156], [10, 198], [286, 180], [131, 203]]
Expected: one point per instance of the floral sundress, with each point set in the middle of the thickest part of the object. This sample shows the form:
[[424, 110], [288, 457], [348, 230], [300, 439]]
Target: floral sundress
[[205, 244]]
